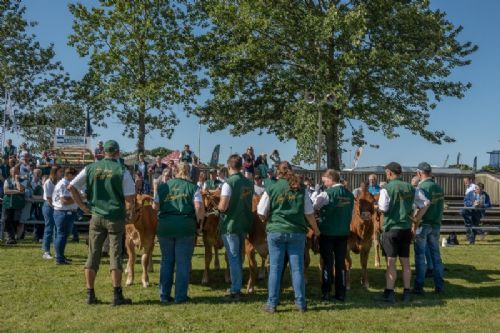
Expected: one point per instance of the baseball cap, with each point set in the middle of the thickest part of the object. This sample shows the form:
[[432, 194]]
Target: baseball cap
[[394, 167], [111, 146], [425, 167]]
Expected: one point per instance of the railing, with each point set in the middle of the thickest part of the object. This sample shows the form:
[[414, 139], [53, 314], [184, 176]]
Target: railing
[[491, 186]]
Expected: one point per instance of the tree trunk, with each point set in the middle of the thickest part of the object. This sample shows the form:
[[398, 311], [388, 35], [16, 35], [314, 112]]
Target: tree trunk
[[141, 135], [332, 139]]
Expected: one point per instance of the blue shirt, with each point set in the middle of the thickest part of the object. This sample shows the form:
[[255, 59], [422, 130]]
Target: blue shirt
[[374, 189]]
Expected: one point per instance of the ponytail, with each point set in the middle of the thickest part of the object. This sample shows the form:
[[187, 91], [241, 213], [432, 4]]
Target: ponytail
[[285, 172]]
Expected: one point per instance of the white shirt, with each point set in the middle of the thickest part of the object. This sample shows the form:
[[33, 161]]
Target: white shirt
[[61, 191], [420, 200], [226, 190], [48, 189], [258, 190], [265, 204], [322, 199], [128, 185], [470, 188], [24, 169]]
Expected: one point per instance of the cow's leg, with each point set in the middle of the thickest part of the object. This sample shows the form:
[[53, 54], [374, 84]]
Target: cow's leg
[[363, 258], [208, 259], [376, 244], [348, 265], [227, 276], [146, 262], [252, 268], [216, 258], [262, 270], [131, 261]]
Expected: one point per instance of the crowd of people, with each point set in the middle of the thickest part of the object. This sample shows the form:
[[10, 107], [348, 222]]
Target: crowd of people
[[289, 204]]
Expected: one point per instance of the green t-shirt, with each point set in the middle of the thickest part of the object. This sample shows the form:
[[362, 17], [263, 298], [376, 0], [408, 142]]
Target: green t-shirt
[[176, 216], [336, 216], [269, 181], [402, 196], [238, 218], [211, 184], [286, 213], [262, 168], [434, 214], [104, 189]]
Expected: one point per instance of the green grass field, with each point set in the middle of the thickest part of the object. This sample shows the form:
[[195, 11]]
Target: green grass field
[[38, 296]]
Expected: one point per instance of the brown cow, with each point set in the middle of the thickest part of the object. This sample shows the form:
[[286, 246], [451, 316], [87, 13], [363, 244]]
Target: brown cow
[[361, 235], [141, 234], [211, 237], [377, 231], [256, 242]]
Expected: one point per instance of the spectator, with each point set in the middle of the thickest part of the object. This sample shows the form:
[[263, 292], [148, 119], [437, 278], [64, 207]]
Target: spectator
[[201, 180], [4, 169], [476, 201], [48, 209], [13, 203], [36, 206], [194, 172], [187, 155], [64, 214], [373, 186], [396, 201], [427, 232], [173, 169], [261, 165], [180, 205], [275, 157], [142, 166], [258, 187], [363, 188], [212, 183], [156, 171], [139, 182], [236, 205], [23, 150], [9, 149], [99, 151], [271, 179], [221, 175], [248, 162], [24, 166], [289, 210]]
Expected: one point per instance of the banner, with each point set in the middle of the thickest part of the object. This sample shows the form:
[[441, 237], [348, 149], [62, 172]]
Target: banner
[[475, 164], [357, 155], [214, 161], [70, 141]]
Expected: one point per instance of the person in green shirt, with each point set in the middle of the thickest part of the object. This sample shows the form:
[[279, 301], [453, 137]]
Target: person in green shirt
[[212, 183], [427, 232], [111, 197], [236, 207], [288, 210], [180, 205], [9, 149], [335, 205], [396, 202], [13, 203]]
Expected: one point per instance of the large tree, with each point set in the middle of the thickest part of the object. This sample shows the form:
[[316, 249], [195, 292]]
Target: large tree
[[28, 72], [139, 70], [385, 63]]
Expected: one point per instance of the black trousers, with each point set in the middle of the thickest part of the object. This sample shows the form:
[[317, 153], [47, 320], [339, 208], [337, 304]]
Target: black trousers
[[11, 223], [333, 250]]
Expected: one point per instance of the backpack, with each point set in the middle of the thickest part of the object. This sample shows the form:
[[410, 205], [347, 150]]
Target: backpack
[[452, 239]]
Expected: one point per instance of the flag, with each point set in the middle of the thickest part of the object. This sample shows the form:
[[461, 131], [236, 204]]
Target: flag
[[475, 163], [214, 161], [357, 155], [458, 158]]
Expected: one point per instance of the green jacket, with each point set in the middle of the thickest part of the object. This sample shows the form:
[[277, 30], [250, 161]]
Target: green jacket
[[238, 218], [434, 214], [336, 216], [287, 208], [402, 196]]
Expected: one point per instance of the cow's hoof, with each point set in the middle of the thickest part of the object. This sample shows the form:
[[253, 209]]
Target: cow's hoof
[[250, 291], [377, 265], [145, 284], [204, 281]]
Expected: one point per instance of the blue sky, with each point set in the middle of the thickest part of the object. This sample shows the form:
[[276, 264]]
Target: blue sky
[[474, 121]]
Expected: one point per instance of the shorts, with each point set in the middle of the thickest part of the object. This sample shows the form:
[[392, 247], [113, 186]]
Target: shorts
[[99, 229], [396, 243]]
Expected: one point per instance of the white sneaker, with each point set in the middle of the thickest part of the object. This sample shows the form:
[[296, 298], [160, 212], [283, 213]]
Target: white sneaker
[[46, 255]]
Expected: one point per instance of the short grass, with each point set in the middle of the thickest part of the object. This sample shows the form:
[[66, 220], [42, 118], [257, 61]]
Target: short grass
[[37, 296]]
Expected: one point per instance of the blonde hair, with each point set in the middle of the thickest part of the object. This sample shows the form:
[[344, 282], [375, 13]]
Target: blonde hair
[[285, 172], [182, 171]]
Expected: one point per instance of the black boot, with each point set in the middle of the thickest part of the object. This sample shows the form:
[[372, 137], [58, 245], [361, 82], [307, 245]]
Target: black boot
[[118, 298], [91, 299], [387, 297], [406, 296]]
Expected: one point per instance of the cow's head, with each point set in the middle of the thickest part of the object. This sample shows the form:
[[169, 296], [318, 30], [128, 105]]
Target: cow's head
[[211, 200], [364, 205]]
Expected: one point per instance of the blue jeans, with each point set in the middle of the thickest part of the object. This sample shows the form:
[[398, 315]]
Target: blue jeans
[[293, 244], [428, 259], [64, 224], [472, 219], [428, 237], [178, 252], [48, 216], [234, 244]]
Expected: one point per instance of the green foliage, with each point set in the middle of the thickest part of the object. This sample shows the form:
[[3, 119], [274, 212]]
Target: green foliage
[[461, 166], [39, 128], [27, 70], [159, 151], [489, 168], [139, 69], [386, 63]]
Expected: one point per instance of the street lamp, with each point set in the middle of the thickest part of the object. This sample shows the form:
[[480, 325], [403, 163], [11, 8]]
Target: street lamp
[[329, 99]]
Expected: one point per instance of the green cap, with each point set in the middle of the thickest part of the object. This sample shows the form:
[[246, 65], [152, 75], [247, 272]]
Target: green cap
[[425, 167], [111, 146]]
